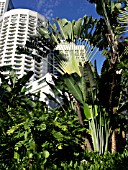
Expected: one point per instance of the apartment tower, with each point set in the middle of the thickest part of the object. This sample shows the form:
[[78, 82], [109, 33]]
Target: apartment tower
[[5, 5], [17, 26]]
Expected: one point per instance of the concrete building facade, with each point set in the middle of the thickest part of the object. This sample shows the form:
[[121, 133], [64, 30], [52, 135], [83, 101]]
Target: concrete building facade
[[5, 5], [40, 86], [17, 26]]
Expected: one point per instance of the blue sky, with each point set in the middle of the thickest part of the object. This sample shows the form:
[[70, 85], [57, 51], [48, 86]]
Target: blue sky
[[70, 9]]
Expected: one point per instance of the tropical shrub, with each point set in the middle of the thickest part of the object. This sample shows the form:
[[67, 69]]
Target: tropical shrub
[[95, 161], [34, 137], [94, 110]]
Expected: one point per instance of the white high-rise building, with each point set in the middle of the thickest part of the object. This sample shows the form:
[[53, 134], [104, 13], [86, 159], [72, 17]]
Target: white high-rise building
[[5, 5], [16, 27]]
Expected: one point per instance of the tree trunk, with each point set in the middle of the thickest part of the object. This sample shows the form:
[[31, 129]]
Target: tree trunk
[[113, 146], [79, 113], [87, 144], [114, 59]]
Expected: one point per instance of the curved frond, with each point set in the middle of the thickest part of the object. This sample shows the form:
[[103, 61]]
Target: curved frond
[[123, 18]]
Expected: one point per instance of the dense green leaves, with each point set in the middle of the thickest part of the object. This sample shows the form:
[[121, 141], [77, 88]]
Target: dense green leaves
[[35, 137], [32, 136]]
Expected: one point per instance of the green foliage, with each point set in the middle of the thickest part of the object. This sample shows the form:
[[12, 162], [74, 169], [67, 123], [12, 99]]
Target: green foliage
[[85, 89], [99, 130], [94, 161], [43, 139], [35, 137], [32, 136], [107, 161]]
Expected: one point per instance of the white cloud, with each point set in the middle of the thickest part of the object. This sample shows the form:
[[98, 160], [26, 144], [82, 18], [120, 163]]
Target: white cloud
[[49, 14], [46, 7], [47, 3], [39, 4]]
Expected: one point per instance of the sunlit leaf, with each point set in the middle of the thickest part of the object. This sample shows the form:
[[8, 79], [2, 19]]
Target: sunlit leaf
[[46, 154]]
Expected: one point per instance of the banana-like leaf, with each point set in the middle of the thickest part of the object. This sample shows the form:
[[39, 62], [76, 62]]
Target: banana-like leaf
[[71, 65], [51, 98], [21, 82], [68, 31], [44, 31], [99, 131], [87, 111], [77, 28], [25, 78], [123, 17], [82, 84], [54, 37], [89, 75], [61, 24], [73, 88]]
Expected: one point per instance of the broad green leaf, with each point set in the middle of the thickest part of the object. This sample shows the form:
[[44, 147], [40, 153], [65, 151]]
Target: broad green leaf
[[89, 75], [61, 24], [77, 27], [95, 113], [118, 5], [68, 31], [46, 154], [87, 111], [71, 65], [25, 78], [44, 32], [60, 146], [57, 135], [82, 85], [16, 155], [30, 155], [73, 88], [112, 6], [8, 88], [29, 102], [59, 125]]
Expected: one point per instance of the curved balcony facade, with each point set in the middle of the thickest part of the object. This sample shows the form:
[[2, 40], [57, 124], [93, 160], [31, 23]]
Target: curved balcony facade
[[16, 26]]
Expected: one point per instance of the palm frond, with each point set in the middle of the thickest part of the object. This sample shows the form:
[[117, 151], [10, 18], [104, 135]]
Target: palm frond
[[74, 59], [123, 18]]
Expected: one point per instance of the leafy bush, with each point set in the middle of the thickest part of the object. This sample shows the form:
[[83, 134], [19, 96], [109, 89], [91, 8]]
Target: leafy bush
[[42, 139], [34, 137], [38, 138], [95, 161]]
